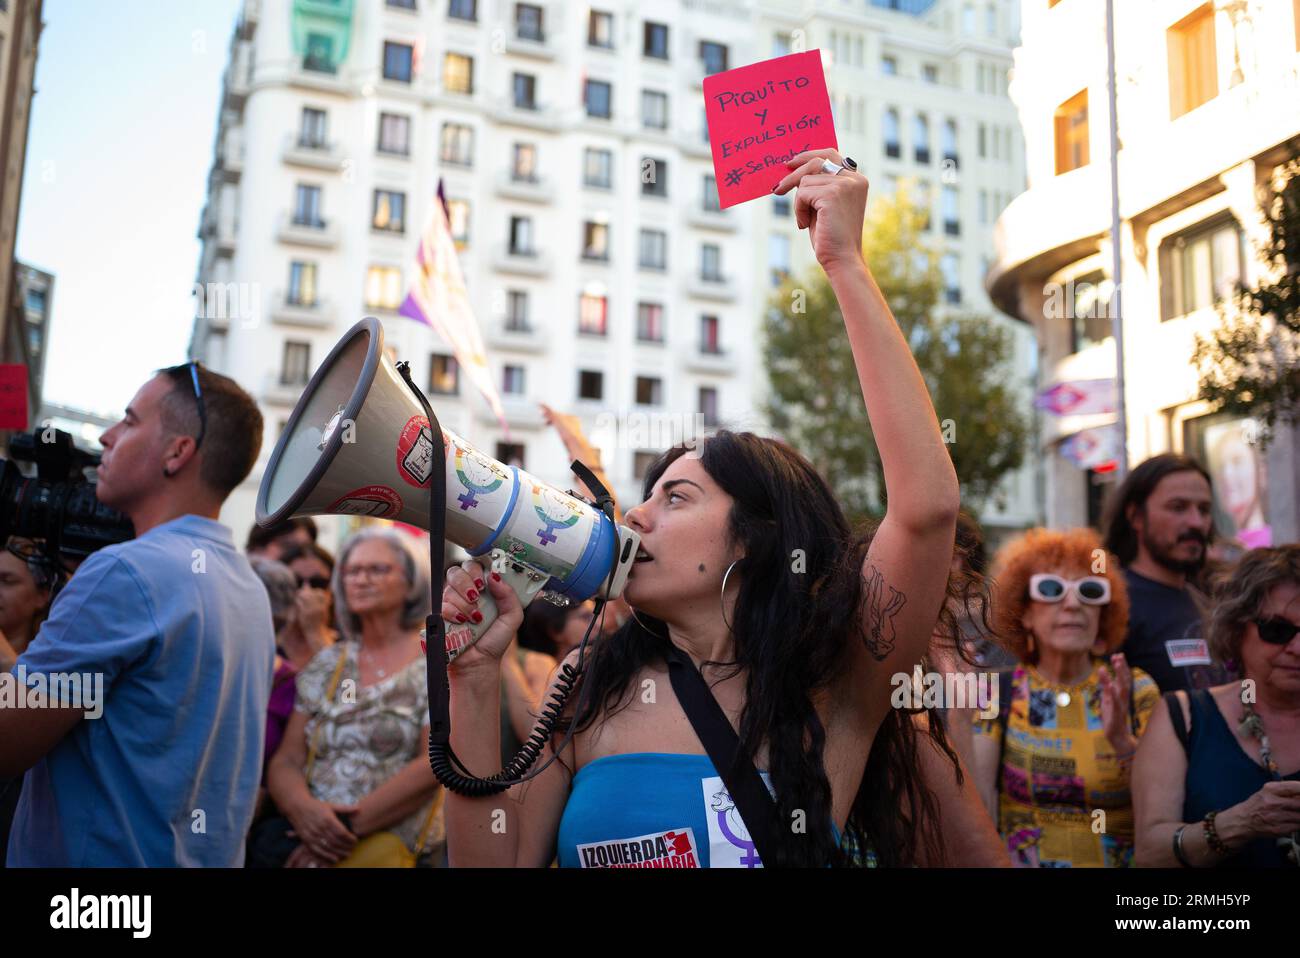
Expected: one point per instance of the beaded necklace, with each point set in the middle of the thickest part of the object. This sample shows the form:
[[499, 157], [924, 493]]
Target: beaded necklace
[[1252, 723]]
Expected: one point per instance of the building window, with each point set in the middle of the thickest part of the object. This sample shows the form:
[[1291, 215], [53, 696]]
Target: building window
[[951, 270], [591, 384], [311, 131], [654, 176], [306, 206], [523, 169], [463, 10], [924, 201], [711, 202], [893, 142], [389, 212], [383, 287], [597, 167], [395, 134], [1089, 307], [778, 257], [302, 284], [511, 453], [1193, 69], [653, 249], [781, 207], [981, 141], [921, 137], [656, 40], [600, 29], [528, 23], [711, 262], [949, 143], [930, 73], [650, 322], [642, 460], [654, 109], [593, 314], [1201, 267], [708, 405], [458, 73], [458, 222], [597, 95], [521, 236], [782, 44], [444, 376], [512, 380], [457, 147], [404, 4], [1071, 133], [984, 207], [649, 391], [714, 56], [397, 61], [517, 311], [525, 87], [948, 207], [709, 341], [295, 363], [595, 242], [319, 56], [889, 66]]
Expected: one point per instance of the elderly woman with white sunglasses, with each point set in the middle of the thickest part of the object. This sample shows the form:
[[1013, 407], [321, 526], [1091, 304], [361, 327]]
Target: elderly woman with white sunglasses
[[1053, 766]]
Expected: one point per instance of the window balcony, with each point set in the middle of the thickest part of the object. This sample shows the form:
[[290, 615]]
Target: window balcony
[[720, 288], [316, 155], [318, 314], [707, 219], [528, 338], [299, 231], [702, 360], [539, 189], [521, 262]]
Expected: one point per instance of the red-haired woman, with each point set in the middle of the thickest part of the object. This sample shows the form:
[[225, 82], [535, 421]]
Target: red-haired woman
[[1054, 765]]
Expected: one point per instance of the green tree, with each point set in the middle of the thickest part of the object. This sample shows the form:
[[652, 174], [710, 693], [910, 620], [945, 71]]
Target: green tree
[[1250, 364], [815, 400]]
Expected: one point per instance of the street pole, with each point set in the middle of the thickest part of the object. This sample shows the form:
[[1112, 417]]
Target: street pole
[[1116, 317]]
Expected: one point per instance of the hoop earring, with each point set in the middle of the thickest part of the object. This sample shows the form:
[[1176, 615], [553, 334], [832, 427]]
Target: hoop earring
[[722, 597], [640, 623]]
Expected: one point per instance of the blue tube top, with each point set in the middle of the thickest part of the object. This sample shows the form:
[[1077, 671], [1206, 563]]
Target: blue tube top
[[653, 810]]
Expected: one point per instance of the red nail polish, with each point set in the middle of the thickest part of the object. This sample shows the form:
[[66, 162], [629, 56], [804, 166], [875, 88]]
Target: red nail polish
[[472, 595], [460, 617], [478, 584], [496, 577], [478, 616]]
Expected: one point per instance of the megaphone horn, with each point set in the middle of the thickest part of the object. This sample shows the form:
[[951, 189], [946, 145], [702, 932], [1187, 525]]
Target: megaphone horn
[[358, 443]]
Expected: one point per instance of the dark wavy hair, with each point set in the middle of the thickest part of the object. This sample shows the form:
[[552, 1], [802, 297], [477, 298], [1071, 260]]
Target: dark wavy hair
[[1121, 537], [793, 633]]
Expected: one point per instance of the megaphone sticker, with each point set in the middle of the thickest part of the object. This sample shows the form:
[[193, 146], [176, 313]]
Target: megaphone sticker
[[378, 502], [415, 452]]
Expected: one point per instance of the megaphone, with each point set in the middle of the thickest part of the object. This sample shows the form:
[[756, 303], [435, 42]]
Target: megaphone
[[359, 443]]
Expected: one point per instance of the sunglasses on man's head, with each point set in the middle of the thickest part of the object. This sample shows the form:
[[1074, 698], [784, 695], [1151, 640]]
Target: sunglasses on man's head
[[1276, 630], [315, 581], [1091, 590], [198, 399]]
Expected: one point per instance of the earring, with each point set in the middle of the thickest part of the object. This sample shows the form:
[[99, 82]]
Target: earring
[[723, 595], [640, 623]]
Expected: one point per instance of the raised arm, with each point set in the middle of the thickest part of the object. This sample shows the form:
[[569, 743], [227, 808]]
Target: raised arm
[[906, 570]]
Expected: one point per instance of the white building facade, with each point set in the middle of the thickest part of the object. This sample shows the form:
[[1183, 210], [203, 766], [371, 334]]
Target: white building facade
[[571, 144], [1208, 107]]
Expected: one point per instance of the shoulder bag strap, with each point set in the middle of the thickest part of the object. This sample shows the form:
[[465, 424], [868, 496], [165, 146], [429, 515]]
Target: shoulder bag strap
[[751, 796], [329, 697]]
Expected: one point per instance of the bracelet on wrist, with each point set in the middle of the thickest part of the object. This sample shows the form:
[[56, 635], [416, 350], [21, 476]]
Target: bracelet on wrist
[[1212, 836], [1178, 847]]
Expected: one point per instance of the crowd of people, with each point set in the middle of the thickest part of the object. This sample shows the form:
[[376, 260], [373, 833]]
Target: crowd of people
[[268, 707]]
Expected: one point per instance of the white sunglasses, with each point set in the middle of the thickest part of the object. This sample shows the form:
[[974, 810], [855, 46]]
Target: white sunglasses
[[1091, 589]]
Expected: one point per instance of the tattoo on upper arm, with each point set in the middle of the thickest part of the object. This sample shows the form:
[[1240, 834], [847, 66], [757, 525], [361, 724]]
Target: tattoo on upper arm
[[878, 628]]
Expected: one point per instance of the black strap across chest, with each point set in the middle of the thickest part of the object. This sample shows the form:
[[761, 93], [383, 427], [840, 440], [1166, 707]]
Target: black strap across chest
[[753, 800]]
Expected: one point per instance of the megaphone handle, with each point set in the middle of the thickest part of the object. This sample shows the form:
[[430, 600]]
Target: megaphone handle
[[525, 581]]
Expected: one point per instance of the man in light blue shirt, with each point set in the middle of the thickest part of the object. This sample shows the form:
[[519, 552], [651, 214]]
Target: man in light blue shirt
[[163, 767]]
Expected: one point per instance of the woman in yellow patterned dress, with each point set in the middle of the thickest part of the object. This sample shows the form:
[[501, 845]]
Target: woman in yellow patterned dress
[[1053, 767]]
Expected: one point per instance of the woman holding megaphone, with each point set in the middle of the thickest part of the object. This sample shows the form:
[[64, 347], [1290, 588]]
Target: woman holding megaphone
[[750, 577]]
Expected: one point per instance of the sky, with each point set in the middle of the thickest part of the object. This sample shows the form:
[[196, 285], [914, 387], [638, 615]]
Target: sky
[[122, 130]]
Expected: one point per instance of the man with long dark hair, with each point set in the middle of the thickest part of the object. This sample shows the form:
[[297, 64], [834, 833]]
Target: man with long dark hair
[[1160, 527]]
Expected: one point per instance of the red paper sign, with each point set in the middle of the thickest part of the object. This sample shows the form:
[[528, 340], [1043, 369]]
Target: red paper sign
[[13, 396], [762, 115]]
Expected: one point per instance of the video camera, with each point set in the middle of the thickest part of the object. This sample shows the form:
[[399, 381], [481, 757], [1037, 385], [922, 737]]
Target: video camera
[[58, 507]]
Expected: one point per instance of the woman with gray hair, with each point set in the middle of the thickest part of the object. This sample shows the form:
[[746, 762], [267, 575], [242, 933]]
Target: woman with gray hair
[[352, 765], [1216, 781]]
